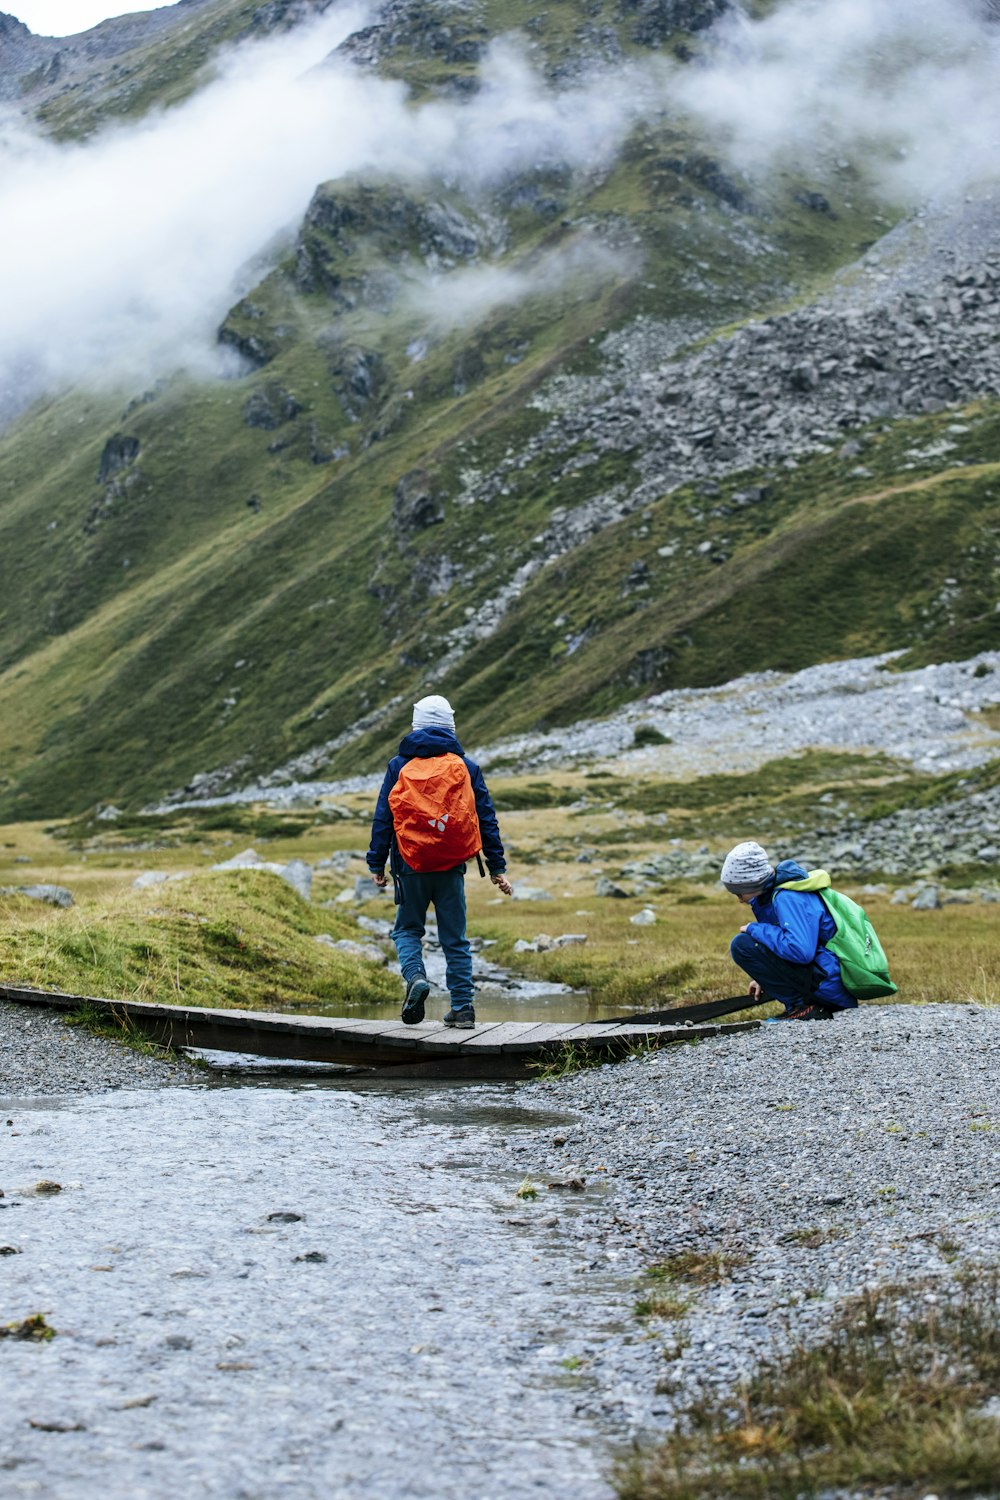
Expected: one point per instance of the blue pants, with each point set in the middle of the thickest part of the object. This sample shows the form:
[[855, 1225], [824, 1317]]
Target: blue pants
[[791, 984], [445, 890]]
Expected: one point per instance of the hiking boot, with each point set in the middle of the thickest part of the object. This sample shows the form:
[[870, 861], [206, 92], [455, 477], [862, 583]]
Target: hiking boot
[[464, 1017], [413, 1006], [786, 1015], [811, 1012]]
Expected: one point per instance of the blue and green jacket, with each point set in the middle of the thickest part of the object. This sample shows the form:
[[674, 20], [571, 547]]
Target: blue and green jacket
[[797, 926], [426, 743]]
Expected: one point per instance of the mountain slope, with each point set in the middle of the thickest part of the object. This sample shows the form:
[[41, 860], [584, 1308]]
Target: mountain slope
[[510, 440]]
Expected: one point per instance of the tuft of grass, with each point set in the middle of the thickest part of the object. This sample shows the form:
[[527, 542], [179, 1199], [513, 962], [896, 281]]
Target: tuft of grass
[[33, 1329], [662, 1305], [528, 1190], [702, 1267], [893, 1397], [118, 1028]]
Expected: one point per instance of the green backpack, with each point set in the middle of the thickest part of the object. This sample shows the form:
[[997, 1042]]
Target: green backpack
[[864, 967]]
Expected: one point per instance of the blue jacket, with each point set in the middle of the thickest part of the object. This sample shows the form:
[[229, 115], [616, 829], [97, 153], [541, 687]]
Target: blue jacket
[[425, 743], [797, 926]]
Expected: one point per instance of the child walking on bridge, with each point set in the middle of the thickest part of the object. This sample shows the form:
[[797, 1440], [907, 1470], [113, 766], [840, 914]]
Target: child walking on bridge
[[434, 813]]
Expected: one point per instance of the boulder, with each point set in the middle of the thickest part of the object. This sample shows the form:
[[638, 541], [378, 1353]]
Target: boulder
[[531, 893], [53, 895], [119, 452], [414, 505], [367, 951]]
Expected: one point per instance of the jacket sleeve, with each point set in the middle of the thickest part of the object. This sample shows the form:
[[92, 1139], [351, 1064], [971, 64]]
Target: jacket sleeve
[[797, 937], [378, 849], [489, 828]]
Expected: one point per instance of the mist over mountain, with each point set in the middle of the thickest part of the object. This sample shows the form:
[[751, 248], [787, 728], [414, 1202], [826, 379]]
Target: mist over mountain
[[362, 349]]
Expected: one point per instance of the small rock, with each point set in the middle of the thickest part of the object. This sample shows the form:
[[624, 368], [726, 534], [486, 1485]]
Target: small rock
[[926, 900], [606, 887], [531, 893], [644, 918], [366, 951], [53, 895], [377, 926]]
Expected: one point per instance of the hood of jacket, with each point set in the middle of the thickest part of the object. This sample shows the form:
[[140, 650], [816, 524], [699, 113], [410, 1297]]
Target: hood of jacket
[[788, 869], [435, 740]]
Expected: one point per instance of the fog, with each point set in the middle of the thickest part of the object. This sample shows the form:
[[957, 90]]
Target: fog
[[908, 89], [120, 256]]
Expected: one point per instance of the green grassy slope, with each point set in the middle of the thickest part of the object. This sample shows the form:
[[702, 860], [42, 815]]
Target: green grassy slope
[[237, 591]]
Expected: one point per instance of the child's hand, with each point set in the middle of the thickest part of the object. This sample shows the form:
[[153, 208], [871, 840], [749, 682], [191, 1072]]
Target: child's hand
[[756, 991], [502, 884], [380, 879]]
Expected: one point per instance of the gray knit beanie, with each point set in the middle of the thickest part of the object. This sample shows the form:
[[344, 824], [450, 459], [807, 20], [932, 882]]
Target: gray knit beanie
[[747, 868], [433, 712]]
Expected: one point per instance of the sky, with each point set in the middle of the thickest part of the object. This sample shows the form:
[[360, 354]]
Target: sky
[[67, 17]]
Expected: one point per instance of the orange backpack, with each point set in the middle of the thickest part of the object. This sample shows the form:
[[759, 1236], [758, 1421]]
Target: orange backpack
[[434, 813]]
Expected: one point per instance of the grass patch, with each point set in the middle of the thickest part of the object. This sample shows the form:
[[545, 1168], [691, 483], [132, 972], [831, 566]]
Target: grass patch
[[117, 1028], [893, 1397], [662, 1305], [702, 1267], [239, 939]]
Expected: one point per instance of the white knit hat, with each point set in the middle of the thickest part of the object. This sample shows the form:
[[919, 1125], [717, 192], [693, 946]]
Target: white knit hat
[[747, 868], [433, 712]]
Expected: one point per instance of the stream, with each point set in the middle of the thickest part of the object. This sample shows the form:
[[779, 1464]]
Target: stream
[[310, 1288]]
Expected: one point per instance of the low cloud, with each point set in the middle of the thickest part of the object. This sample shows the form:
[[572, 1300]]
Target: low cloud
[[121, 255], [467, 295], [911, 90]]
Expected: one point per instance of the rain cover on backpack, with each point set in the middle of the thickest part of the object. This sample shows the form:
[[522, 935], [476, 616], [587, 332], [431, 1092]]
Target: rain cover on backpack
[[434, 813]]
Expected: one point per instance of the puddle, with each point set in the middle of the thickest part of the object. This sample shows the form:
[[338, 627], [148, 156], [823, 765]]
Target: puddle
[[304, 1289]]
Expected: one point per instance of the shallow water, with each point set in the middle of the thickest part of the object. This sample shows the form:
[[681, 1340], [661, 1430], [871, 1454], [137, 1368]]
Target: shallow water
[[401, 1337], [500, 995]]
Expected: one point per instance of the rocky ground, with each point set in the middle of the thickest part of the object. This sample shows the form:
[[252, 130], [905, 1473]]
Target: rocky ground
[[930, 719], [820, 1159], [807, 1162], [41, 1055]]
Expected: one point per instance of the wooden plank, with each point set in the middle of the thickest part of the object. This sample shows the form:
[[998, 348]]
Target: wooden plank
[[372, 1043], [515, 1036], [587, 1031], [451, 1037]]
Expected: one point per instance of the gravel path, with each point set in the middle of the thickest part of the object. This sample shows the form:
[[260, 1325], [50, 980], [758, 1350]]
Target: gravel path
[[40, 1054], [873, 1137]]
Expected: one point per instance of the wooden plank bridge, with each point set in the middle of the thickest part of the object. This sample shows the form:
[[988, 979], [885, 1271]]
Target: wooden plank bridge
[[494, 1049]]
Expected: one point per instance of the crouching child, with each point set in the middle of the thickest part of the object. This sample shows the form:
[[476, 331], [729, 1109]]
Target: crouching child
[[809, 947], [434, 813]]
